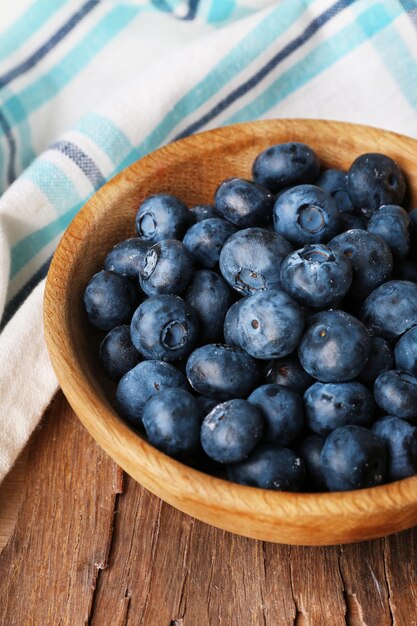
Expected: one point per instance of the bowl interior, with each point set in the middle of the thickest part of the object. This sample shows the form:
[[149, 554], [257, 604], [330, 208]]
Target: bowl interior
[[192, 169]]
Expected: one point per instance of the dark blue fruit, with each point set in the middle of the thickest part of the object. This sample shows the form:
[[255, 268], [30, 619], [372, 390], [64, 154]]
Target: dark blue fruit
[[231, 430], [166, 268], [143, 381], [270, 467], [110, 300], [306, 214], [370, 257], [270, 324], [251, 260], [401, 443], [406, 352], [353, 457], [286, 164], [162, 216], [282, 410], [396, 393], [349, 221], [231, 323], [164, 327], [206, 239], [392, 223], [210, 297], [335, 183], [205, 405], [243, 202], [309, 449], [202, 212], [125, 258], [381, 359], [335, 347], [172, 422], [117, 353], [222, 372], [330, 405], [316, 276], [289, 373], [391, 309]]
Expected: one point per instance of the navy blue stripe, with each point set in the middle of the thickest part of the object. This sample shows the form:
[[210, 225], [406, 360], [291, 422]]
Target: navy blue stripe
[[410, 6], [4, 124], [252, 82], [86, 164], [41, 52], [192, 10], [23, 293]]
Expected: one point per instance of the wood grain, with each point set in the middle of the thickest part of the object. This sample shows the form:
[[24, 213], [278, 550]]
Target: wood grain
[[84, 551], [11, 491], [192, 168]]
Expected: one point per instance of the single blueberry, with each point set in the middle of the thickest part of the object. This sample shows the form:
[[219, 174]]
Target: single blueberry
[[164, 328], [231, 324], [392, 223], [406, 352], [380, 360], [353, 457], [243, 202], [374, 180], [270, 324], [282, 410], [289, 373], [210, 297], [270, 467], [335, 183], [172, 422], [166, 268], [110, 300], [231, 430], [401, 443], [330, 405], [285, 165], [391, 309], [126, 257], [222, 372], [370, 257], [306, 214], [335, 347], [143, 381], [250, 260], [316, 276], [117, 353], [162, 216], [202, 212], [206, 239], [396, 393], [309, 449]]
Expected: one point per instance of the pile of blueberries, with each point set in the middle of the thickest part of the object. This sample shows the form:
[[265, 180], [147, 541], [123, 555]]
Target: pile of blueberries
[[271, 338]]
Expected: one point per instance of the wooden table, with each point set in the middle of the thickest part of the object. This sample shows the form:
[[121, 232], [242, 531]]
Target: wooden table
[[90, 546]]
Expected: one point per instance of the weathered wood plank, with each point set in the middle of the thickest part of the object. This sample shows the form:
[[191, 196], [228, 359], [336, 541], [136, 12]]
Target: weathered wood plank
[[11, 492]]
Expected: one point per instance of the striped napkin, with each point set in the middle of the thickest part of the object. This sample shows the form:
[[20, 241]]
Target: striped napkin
[[87, 87]]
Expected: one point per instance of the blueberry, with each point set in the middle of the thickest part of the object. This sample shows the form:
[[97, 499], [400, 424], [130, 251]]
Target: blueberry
[[401, 443], [243, 202], [125, 258], [392, 223], [166, 268], [306, 214], [270, 467], [396, 393], [118, 355], [282, 410], [222, 372], [406, 352], [205, 240], [309, 449], [143, 381], [289, 373], [406, 270], [270, 324], [316, 276], [231, 430], [202, 212], [205, 405], [210, 297], [349, 221], [380, 360], [353, 457], [172, 422], [109, 300], [330, 405], [391, 309], [335, 347], [162, 216], [165, 328], [251, 260], [370, 256], [335, 183], [286, 164], [231, 324], [374, 180]]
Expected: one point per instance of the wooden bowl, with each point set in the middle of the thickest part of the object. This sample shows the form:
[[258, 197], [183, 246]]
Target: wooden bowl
[[192, 168]]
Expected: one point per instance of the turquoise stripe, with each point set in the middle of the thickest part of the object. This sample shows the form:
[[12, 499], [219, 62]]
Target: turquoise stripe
[[326, 54], [105, 134], [220, 10], [25, 26]]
